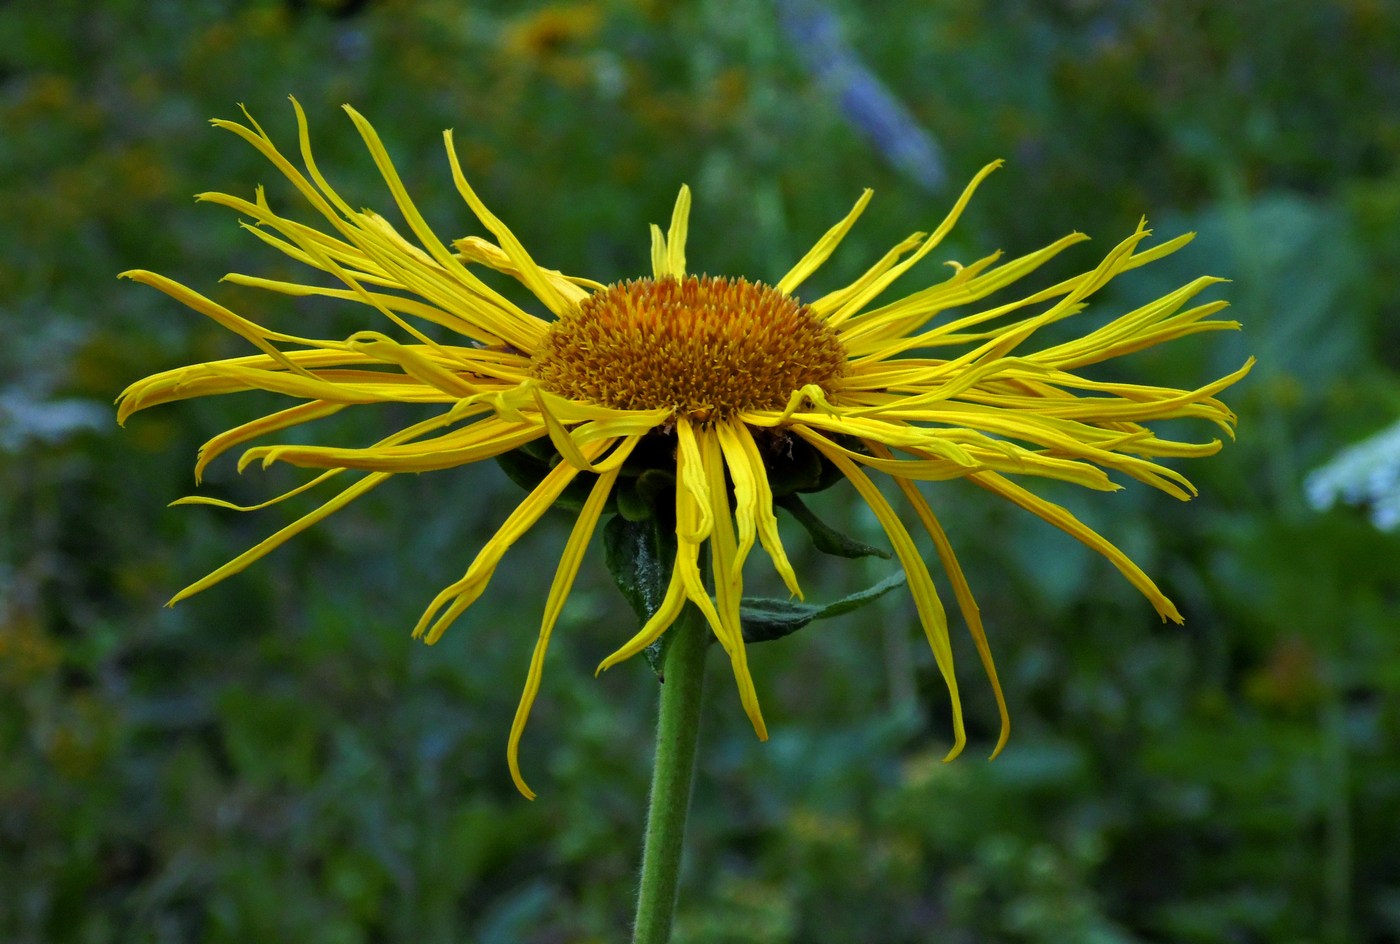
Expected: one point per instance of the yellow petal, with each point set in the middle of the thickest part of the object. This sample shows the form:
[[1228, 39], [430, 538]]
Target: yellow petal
[[675, 237], [753, 500], [267, 546], [558, 592], [482, 440], [453, 600], [660, 265], [531, 276], [930, 608], [824, 247], [475, 249], [831, 301], [251, 332], [859, 300], [283, 419], [961, 590], [727, 569], [969, 284], [692, 487], [671, 605], [1068, 523]]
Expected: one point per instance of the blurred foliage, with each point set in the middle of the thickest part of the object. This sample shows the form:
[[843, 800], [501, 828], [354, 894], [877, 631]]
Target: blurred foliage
[[274, 760]]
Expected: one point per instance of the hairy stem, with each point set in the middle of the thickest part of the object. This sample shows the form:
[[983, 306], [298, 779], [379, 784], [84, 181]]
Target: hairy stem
[[677, 732]]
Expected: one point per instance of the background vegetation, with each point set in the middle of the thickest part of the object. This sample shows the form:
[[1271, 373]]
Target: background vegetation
[[276, 761]]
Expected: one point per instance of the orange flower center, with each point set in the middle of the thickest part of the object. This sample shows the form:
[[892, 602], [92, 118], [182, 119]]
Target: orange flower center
[[704, 347]]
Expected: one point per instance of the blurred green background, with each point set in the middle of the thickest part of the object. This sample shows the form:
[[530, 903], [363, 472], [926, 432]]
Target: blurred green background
[[275, 760]]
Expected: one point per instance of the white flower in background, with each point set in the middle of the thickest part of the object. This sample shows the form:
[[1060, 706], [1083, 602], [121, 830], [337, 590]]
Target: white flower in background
[[1365, 473]]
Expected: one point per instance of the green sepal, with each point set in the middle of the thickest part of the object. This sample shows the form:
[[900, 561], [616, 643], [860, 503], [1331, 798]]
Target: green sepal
[[630, 504], [646, 495], [640, 555], [826, 538], [794, 465], [765, 619], [828, 475], [575, 495]]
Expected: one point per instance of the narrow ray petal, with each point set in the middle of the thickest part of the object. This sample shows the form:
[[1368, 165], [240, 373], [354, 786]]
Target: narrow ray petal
[[972, 615], [558, 592], [671, 605], [476, 249], [1061, 518], [930, 608], [255, 334], [727, 570], [283, 419], [268, 545], [453, 600], [660, 265], [753, 498], [676, 235], [825, 246], [690, 479], [483, 440], [531, 276], [859, 301]]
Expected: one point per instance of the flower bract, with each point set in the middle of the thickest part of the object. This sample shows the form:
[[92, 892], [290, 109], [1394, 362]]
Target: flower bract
[[720, 377]]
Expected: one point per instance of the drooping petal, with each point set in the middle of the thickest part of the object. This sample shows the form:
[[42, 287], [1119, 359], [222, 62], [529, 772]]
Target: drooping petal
[[453, 600], [554, 604], [727, 571], [671, 605], [268, 545], [1061, 518], [972, 615], [690, 479], [926, 602], [753, 500]]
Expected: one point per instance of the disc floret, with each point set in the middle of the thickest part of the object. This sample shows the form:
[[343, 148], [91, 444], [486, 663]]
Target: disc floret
[[707, 347]]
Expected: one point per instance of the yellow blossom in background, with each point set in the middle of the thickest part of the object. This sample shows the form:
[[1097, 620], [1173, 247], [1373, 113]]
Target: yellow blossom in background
[[725, 373], [554, 40]]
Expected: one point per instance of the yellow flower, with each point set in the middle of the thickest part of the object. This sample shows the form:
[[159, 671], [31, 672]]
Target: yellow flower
[[544, 34], [723, 374]]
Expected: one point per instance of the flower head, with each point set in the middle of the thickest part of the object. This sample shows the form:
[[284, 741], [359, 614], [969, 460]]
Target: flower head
[[720, 377]]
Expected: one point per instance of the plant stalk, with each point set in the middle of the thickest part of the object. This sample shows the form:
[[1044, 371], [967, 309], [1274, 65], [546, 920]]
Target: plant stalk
[[677, 733]]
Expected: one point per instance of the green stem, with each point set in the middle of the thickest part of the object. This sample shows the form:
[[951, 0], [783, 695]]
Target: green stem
[[677, 732]]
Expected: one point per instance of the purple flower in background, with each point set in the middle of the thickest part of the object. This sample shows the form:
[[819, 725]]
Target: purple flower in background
[[864, 99]]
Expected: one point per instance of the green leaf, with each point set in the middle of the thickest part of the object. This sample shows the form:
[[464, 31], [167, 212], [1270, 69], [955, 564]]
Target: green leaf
[[826, 538], [640, 555], [765, 619]]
